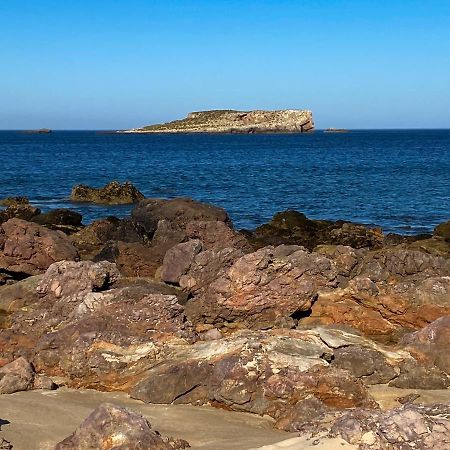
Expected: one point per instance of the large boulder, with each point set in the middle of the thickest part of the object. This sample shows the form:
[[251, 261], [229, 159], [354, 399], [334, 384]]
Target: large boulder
[[178, 212], [111, 427], [112, 193], [259, 372], [431, 345], [19, 375], [28, 249], [443, 230], [269, 287]]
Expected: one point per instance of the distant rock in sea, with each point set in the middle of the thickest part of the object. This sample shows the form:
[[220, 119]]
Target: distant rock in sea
[[335, 130], [39, 131], [230, 121]]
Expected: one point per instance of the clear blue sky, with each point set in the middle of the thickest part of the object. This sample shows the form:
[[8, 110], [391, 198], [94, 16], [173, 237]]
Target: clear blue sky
[[104, 64]]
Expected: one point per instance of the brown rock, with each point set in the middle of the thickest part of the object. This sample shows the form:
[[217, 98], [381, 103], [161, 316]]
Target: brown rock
[[365, 363], [16, 376], [443, 230], [431, 345], [111, 427], [65, 220], [178, 212], [29, 249], [178, 260]]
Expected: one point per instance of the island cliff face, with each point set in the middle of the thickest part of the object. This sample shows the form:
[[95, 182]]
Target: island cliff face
[[230, 121]]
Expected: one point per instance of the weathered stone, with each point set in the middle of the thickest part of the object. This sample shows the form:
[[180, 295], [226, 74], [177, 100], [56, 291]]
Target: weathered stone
[[114, 427], [407, 427], [431, 345], [178, 260], [260, 372], [386, 292], [133, 259], [368, 364], [261, 289], [112, 193], [177, 212], [415, 376], [16, 376], [29, 249], [74, 279], [217, 235]]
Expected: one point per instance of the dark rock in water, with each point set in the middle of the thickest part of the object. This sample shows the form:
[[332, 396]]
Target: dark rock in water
[[39, 131], [294, 228], [443, 230], [14, 201], [114, 427], [112, 193], [60, 219], [177, 212], [24, 212], [27, 248]]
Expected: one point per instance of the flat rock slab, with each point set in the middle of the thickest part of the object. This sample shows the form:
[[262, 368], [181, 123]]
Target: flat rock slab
[[40, 419]]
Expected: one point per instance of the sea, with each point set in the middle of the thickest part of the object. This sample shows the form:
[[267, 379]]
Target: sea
[[396, 179]]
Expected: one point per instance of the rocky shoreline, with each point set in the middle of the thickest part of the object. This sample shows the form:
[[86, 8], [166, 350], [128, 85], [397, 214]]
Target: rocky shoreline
[[298, 320]]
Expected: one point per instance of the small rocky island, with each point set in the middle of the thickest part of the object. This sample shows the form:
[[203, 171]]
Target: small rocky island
[[230, 121]]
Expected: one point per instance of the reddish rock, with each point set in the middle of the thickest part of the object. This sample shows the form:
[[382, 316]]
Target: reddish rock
[[29, 249], [260, 289], [111, 427], [387, 293]]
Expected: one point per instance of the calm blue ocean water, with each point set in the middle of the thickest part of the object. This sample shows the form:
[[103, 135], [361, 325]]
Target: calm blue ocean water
[[397, 179]]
